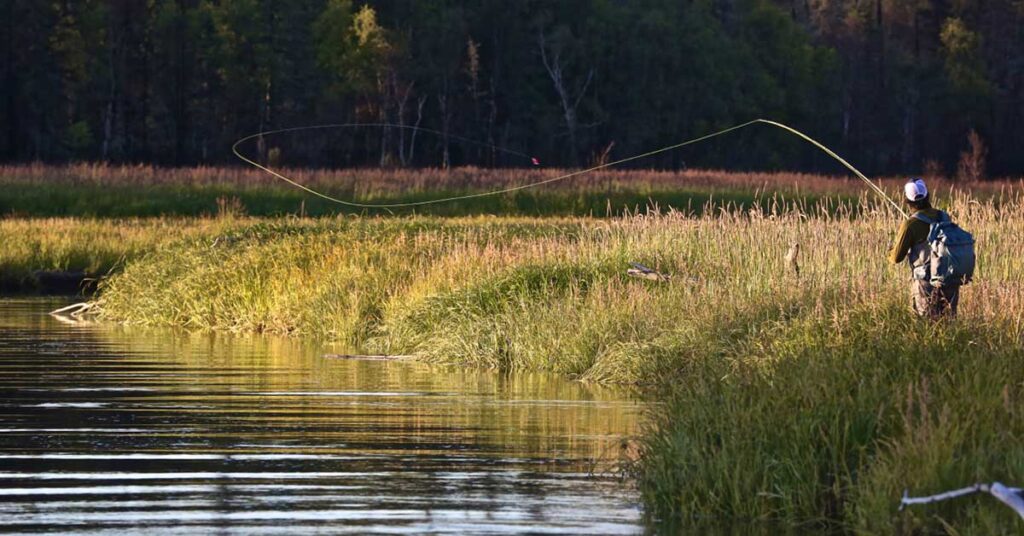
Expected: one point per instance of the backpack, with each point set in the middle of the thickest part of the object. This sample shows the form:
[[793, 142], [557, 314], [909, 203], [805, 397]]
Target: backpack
[[952, 251]]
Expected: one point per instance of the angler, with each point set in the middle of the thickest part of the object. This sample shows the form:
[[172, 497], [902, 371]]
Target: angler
[[940, 254]]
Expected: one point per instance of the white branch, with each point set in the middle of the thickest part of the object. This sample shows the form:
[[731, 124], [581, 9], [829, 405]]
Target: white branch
[[1012, 497], [583, 90], [74, 310]]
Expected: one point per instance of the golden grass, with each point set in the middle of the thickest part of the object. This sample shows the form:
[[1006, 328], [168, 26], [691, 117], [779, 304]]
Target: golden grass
[[373, 278], [814, 399], [91, 247]]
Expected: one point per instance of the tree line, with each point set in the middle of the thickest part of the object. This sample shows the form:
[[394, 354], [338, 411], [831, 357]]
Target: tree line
[[897, 86]]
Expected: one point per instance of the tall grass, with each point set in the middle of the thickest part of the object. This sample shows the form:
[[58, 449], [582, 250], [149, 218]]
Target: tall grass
[[811, 398], [427, 265], [87, 247], [426, 284], [369, 182], [96, 190]]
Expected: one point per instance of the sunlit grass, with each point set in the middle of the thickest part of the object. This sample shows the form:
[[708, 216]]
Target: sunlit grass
[[90, 247], [810, 398]]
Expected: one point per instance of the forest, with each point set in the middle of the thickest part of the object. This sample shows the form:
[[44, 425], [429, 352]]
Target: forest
[[897, 86]]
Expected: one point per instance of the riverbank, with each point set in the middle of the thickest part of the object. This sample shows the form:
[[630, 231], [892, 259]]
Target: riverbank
[[69, 255], [810, 397]]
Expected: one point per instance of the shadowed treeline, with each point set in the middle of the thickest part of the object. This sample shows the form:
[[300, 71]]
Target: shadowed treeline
[[896, 86]]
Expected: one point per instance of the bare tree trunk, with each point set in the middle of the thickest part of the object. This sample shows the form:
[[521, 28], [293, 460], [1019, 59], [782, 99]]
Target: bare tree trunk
[[108, 119], [402, 101], [442, 101], [881, 44], [569, 104], [416, 128], [847, 105], [492, 115], [261, 144], [11, 89], [382, 118], [492, 118], [180, 121], [473, 88], [147, 49]]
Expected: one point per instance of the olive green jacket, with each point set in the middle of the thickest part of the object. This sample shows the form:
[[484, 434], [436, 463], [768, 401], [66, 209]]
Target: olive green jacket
[[913, 232]]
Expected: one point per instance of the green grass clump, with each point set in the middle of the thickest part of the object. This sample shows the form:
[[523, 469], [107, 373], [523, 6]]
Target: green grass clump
[[827, 418], [325, 278]]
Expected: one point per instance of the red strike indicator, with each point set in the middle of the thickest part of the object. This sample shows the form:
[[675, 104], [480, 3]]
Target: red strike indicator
[[535, 161]]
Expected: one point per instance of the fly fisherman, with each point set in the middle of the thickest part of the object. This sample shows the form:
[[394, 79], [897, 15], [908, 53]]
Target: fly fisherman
[[932, 295]]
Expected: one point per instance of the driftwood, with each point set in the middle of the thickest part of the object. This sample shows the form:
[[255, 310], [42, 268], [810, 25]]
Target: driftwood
[[74, 320], [369, 357], [642, 272], [1012, 497], [74, 310]]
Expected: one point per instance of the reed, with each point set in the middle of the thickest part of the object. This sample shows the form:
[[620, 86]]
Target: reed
[[370, 181], [811, 398], [91, 248], [98, 190]]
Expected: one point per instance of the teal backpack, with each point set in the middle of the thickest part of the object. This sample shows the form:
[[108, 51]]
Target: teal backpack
[[952, 251]]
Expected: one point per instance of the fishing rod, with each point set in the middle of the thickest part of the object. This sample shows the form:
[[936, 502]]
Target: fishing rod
[[838, 158], [235, 149]]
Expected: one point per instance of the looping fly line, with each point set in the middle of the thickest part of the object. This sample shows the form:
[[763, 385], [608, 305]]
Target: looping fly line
[[534, 161]]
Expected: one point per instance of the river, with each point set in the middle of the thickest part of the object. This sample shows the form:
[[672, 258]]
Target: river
[[107, 429]]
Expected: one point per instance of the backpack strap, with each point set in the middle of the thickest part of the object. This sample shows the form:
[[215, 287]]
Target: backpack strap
[[943, 217]]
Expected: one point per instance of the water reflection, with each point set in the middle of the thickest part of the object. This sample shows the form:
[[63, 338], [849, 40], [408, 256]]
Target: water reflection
[[104, 428]]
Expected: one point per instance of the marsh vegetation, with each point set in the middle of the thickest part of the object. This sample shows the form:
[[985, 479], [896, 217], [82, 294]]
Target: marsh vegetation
[[811, 398], [107, 191]]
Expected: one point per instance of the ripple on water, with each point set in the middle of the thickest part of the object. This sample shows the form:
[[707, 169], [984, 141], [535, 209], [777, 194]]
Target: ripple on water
[[112, 430]]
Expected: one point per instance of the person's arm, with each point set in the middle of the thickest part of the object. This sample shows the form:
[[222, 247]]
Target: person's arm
[[901, 246]]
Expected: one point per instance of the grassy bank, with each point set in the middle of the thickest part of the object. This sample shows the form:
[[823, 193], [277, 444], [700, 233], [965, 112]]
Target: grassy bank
[[85, 248], [143, 191], [811, 398]]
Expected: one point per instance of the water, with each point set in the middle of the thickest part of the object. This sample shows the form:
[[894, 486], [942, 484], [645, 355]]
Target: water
[[113, 430]]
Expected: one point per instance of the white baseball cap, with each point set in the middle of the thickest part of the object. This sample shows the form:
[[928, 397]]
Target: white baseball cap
[[915, 190]]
